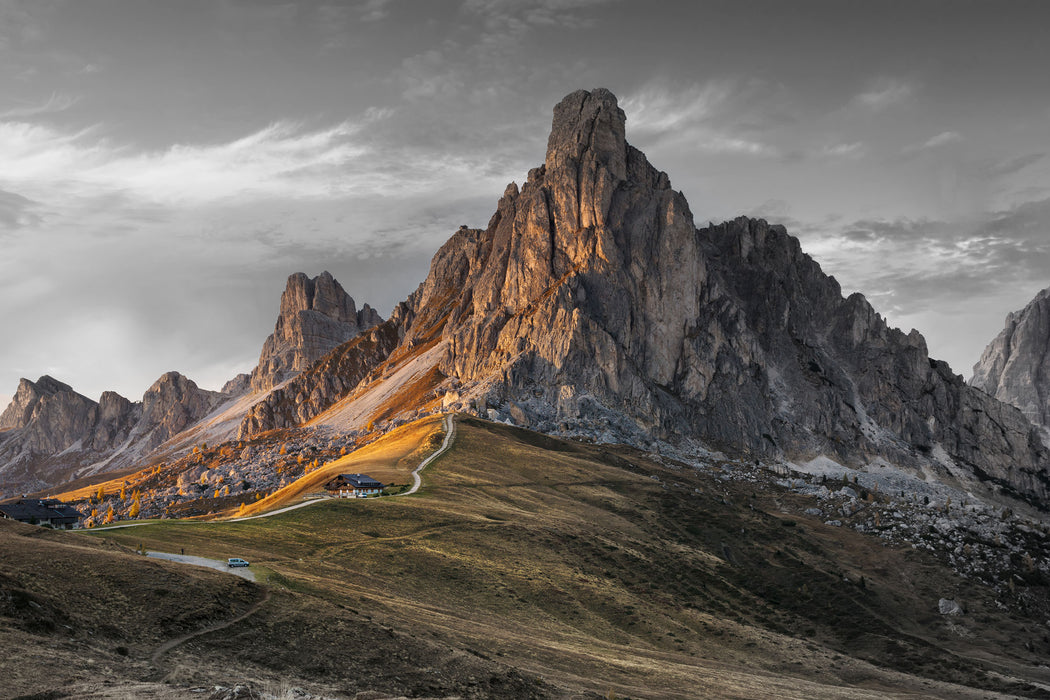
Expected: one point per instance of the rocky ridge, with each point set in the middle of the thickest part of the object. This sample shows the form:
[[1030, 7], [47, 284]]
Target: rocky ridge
[[50, 431], [316, 316], [53, 431], [591, 305], [1015, 367]]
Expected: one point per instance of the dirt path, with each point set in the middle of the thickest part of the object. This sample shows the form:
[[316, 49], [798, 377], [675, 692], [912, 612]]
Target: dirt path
[[450, 433], [172, 643]]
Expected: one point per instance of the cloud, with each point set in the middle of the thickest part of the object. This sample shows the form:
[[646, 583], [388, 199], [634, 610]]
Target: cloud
[[282, 160], [884, 92], [375, 10], [659, 107], [926, 263], [701, 116], [17, 211], [1013, 165], [55, 103], [934, 143], [941, 139], [854, 149]]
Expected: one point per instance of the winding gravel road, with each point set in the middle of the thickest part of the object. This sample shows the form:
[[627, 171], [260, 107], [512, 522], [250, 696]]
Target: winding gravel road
[[417, 482], [242, 571]]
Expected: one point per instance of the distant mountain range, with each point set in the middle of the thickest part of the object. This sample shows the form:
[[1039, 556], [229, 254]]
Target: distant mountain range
[[591, 306], [52, 434]]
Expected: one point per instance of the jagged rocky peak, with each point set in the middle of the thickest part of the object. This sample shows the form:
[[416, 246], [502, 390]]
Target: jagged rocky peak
[[20, 410], [50, 415], [1015, 367], [316, 316], [592, 306], [238, 385], [172, 404], [579, 264]]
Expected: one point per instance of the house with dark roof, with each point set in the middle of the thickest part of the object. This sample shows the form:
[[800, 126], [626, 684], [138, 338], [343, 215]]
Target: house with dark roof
[[353, 486], [42, 511]]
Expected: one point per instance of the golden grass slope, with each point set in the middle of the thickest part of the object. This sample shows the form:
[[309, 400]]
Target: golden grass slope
[[390, 459]]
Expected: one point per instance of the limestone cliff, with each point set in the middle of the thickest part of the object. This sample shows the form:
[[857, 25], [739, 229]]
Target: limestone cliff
[[316, 316], [592, 305], [1015, 367]]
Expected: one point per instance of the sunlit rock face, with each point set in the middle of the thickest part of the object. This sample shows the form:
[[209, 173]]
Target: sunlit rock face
[[591, 305], [316, 316]]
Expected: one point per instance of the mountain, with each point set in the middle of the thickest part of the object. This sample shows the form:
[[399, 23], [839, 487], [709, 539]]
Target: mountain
[[1015, 367], [592, 306], [50, 433], [54, 433], [316, 316]]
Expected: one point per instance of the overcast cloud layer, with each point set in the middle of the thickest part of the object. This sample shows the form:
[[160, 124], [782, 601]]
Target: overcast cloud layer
[[165, 166]]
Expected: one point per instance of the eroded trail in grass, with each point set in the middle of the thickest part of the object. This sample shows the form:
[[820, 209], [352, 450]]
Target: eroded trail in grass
[[171, 644]]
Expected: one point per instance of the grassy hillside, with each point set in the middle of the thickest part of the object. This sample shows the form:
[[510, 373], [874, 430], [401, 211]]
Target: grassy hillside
[[601, 571], [389, 459]]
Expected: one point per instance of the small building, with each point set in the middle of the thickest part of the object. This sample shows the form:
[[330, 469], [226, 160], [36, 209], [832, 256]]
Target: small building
[[353, 486], [41, 511]]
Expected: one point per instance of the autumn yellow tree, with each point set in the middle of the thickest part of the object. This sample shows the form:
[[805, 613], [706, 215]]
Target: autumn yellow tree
[[136, 508], [101, 493], [109, 515]]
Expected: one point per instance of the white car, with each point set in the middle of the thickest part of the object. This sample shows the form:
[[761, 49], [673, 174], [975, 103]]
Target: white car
[[236, 561]]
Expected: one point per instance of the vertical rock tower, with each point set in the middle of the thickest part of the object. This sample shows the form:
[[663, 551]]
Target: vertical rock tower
[[316, 316]]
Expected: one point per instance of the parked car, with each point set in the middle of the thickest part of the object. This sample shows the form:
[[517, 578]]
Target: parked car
[[236, 561]]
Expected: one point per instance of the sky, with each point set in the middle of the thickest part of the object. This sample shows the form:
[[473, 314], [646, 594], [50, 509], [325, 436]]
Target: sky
[[164, 166]]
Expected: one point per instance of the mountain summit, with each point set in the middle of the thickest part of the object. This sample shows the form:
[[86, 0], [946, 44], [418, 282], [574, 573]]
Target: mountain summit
[[592, 306], [316, 316]]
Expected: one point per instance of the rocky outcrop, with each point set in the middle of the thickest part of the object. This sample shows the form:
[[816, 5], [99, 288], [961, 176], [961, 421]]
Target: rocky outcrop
[[53, 430], [238, 385], [1015, 367], [50, 416], [592, 305], [172, 404], [325, 383], [49, 431], [316, 316]]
